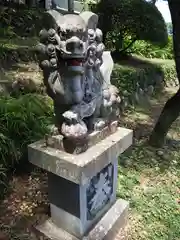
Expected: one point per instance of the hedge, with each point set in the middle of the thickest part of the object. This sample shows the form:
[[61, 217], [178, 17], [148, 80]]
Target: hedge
[[144, 79]]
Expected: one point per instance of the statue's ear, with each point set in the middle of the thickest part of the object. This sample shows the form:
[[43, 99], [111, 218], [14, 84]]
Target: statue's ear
[[52, 19], [90, 18]]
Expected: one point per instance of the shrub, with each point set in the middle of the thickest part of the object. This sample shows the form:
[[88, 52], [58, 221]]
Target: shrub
[[148, 50], [170, 73], [13, 54], [138, 19], [3, 179], [19, 28], [2, 175], [129, 79], [22, 121], [126, 78]]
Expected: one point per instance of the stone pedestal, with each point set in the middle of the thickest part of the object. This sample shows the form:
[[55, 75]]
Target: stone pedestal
[[82, 189]]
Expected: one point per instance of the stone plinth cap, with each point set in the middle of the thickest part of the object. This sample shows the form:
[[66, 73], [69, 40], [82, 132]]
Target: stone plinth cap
[[79, 168]]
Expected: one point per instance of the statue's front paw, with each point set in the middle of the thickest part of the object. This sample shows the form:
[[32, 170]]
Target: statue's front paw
[[73, 128]]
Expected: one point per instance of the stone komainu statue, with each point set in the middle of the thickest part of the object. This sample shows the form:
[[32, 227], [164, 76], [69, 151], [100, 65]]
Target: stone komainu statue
[[77, 72]]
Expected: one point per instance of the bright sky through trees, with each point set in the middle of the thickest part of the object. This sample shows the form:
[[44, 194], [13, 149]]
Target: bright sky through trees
[[164, 9]]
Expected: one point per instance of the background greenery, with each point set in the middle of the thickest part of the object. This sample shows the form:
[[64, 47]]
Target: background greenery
[[20, 21], [144, 49], [132, 26], [135, 19], [23, 120]]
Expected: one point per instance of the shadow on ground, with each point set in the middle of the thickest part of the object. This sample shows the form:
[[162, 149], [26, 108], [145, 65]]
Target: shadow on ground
[[137, 61], [142, 120]]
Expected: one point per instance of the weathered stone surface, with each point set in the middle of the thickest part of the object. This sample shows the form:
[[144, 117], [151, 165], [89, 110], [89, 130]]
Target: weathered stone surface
[[3, 236], [107, 67], [55, 141], [109, 226], [76, 72], [90, 19], [97, 136], [89, 181], [106, 229], [78, 168], [80, 207], [67, 145]]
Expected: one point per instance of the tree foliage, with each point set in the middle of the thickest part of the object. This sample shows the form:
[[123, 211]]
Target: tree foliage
[[20, 21], [149, 50], [136, 18]]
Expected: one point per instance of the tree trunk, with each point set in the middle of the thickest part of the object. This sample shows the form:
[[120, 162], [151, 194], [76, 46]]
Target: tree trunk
[[129, 45], [169, 114], [171, 109]]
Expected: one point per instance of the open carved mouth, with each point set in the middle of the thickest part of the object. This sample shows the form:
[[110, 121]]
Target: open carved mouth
[[74, 62]]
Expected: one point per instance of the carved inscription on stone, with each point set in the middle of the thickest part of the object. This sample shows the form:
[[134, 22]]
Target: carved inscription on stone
[[99, 191]]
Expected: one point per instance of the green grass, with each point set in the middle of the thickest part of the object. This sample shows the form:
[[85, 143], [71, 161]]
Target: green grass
[[150, 180], [152, 187]]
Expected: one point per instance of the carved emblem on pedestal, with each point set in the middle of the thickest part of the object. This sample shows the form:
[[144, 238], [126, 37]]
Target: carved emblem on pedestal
[[99, 191]]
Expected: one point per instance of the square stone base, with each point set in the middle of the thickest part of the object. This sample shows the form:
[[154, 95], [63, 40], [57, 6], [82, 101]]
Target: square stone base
[[106, 229]]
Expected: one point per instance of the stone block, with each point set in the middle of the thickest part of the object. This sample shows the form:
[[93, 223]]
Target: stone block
[[79, 168], [78, 207], [107, 228], [57, 141], [82, 188]]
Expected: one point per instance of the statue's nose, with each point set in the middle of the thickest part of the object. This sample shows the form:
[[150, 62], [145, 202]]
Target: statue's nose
[[74, 44]]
